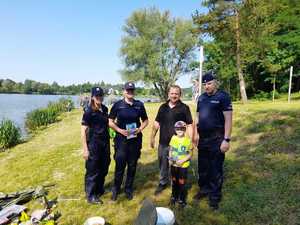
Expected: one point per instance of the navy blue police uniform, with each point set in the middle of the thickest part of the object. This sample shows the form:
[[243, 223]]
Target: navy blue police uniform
[[98, 161], [211, 134], [127, 151]]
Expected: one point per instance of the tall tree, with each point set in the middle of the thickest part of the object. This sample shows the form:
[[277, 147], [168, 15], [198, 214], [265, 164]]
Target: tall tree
[[157, 49], [268, 39], [222, 22]]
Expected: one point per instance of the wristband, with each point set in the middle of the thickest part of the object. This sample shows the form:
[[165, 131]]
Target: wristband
[[227, 139]]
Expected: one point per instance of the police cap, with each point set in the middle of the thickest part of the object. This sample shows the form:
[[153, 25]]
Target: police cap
[[129, 86], [209, 76], [97, 91]]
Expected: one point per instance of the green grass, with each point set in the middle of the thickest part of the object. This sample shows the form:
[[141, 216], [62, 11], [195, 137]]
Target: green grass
[[262, 171]]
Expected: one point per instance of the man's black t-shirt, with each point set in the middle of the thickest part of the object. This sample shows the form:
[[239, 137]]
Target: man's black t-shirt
[[167, 117], [210, 109], [128, 114], [97, 122]]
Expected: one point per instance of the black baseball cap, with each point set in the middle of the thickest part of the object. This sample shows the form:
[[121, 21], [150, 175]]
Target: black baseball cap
[[129, 86], [97, 91], [209, 76]]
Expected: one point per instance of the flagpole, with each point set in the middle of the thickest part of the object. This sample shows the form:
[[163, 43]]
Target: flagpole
[[290, 84], [201, 60]]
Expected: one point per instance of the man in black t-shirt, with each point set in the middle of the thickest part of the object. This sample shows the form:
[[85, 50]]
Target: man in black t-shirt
[[213, 125], [168, 114]]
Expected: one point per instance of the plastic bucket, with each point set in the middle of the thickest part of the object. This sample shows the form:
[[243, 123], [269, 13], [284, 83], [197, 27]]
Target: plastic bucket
[[165, 216], [97, 220]]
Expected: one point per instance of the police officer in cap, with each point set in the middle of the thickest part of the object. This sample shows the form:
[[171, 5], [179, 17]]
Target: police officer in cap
[[128, 118], [212, 135], [96, 148]]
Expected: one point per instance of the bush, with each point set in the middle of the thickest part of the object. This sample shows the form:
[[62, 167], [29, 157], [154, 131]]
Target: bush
[[63, 105], [261, 95], [10, 134], [42, 117]]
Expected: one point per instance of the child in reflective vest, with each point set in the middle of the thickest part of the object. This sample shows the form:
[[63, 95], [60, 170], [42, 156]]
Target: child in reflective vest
[[181, 150]]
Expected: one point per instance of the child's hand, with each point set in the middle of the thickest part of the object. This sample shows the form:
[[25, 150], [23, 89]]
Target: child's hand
[[180, 162]]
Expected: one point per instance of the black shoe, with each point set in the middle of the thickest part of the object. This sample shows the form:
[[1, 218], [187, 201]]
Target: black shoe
[[94, 201], [129, 195], [100, 193], [214, 205], [114, 195], [199, 196], [173, 200], [182, 203], [160, 188]]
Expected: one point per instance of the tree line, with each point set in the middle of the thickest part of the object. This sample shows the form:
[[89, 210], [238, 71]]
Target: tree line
[[35, 87], [250, 44]]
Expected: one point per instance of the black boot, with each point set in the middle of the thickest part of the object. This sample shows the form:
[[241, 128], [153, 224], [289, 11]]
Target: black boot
[[115, 193], [160, 188], [199, 196], [173, 200], [214, 205], [182, 203]]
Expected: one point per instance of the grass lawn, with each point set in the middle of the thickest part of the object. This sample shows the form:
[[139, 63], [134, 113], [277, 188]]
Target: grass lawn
[[262, 171]]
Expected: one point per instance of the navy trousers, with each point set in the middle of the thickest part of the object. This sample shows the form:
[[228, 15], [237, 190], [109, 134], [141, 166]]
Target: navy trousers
[[210, 167], [127, 153], [96, 168]]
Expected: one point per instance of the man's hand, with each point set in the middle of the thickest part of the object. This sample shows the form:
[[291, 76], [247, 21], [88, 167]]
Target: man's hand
[[224, 146], [155, 128], [85, 154]]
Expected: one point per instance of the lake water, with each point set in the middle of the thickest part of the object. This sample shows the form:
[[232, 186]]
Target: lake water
[[16, 106]]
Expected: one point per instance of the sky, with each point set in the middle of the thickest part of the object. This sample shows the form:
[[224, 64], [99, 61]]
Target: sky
[[71, 41]]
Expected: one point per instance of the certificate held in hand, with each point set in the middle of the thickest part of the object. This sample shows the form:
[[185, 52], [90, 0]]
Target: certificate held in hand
[[131, 129]]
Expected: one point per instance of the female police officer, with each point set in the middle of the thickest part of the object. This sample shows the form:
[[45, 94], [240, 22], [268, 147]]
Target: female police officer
[[124, 118], [96, 149]]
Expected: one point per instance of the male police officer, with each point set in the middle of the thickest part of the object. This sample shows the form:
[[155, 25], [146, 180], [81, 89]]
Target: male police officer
[[124, 118], [213, 130], [168, 114]]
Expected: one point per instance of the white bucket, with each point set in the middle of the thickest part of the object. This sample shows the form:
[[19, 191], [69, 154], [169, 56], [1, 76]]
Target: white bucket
[[165, 216], [97, 220]]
